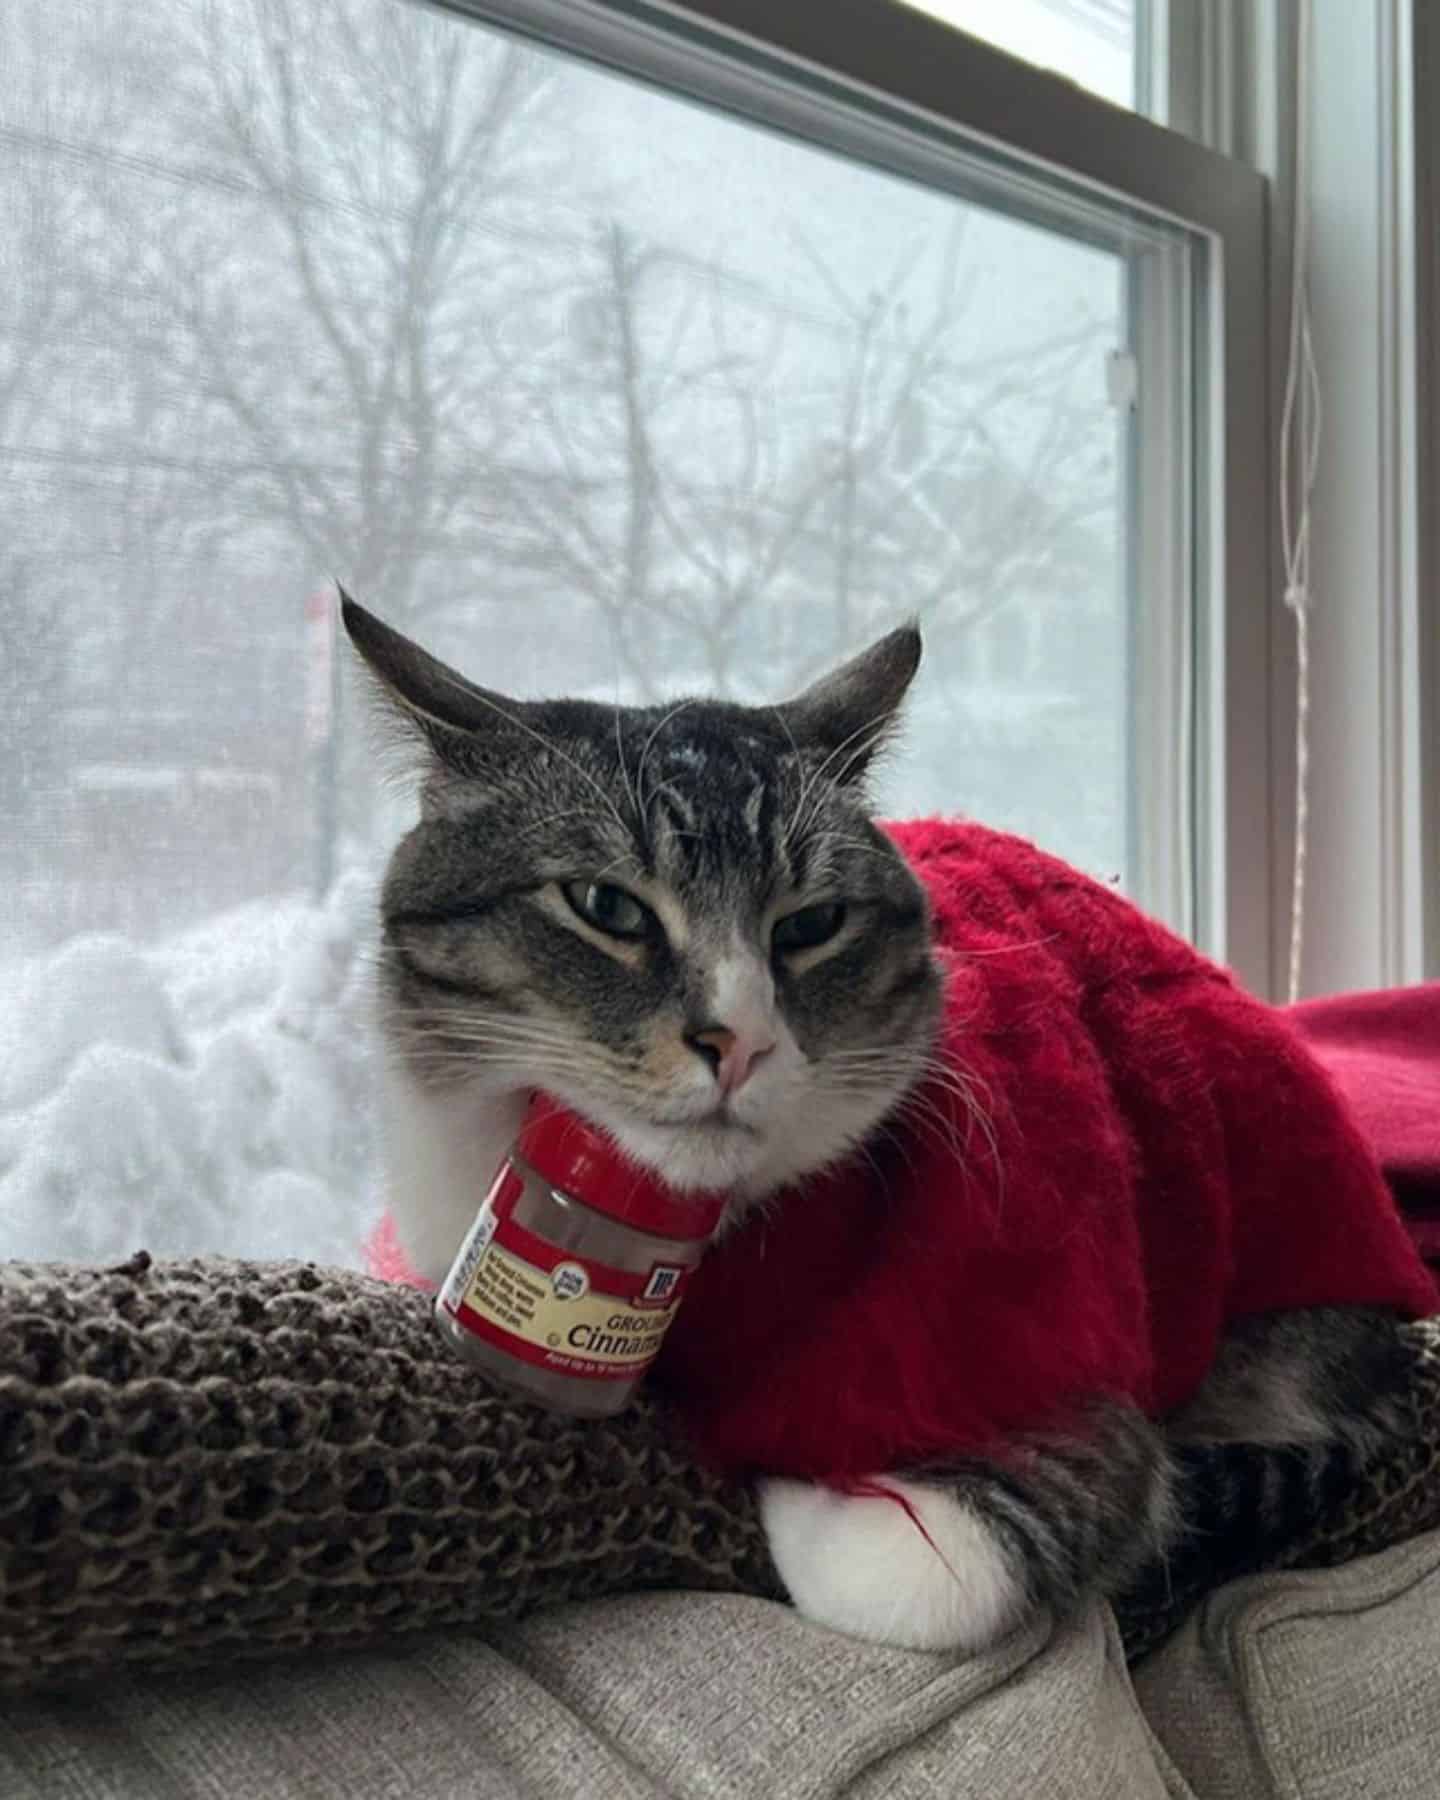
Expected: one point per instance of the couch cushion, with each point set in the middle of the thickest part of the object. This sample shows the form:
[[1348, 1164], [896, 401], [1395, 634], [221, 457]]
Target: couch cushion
[[1319, 1685], [632, 1698]]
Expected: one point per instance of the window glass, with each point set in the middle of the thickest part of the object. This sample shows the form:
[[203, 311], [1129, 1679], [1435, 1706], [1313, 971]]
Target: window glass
[[590, 388]]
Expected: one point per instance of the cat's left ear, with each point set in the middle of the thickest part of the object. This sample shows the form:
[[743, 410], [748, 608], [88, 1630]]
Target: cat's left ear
[[850, 714], [467, 728], [437, 698]]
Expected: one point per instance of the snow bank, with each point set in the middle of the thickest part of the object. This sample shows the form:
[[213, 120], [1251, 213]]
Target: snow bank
[[93, 989], [212, 1094]]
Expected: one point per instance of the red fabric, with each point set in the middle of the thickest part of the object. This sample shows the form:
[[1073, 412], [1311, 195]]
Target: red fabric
[[1383, 1051], [385, 1258], [1149, 1154], [1160, 1155]]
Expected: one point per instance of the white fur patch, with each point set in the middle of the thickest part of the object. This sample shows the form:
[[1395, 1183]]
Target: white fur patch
[[859, 1565], [742, 995], [442, 1151]]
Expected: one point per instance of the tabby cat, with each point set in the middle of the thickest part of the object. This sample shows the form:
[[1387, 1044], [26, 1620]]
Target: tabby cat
[[614, 904]]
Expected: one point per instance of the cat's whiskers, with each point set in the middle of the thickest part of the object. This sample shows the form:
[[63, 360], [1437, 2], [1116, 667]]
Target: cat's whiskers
[[554, 1048], [524, 1069], [853, 846], [570, 812], [625, 774], [895, 1140], [490, 1056], [876, 726], [784, 841], [549, 744], [922, 1077], [865, 1149], [878, 1077], [478, 1049], [465, 1029], [978, 1102], [458, 1030], [626, 857], [1008, 949], [922, 1110]]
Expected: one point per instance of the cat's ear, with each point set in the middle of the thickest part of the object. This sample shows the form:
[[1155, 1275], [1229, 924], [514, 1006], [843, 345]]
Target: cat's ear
[[850, 713], [467, 728]]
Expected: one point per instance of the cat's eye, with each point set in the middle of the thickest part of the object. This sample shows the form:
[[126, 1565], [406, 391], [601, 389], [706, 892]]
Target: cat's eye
[[609, 908], [805, 929]]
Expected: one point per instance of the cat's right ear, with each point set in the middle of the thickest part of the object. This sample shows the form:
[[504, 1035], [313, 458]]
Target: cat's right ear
[[465, 728], [851, 713]]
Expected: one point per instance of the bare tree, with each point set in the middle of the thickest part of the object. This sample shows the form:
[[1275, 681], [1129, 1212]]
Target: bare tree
[[738, 484], [51, 324], [403, 354], [354, 186], [349, 313]]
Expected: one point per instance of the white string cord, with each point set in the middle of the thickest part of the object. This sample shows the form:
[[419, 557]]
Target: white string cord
[[1300, 444]]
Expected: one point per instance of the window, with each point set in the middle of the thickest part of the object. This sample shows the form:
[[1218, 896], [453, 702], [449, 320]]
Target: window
[[620, 385]]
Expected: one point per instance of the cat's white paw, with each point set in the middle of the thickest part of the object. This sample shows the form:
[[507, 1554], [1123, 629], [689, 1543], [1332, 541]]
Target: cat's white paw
[[859, 1564]]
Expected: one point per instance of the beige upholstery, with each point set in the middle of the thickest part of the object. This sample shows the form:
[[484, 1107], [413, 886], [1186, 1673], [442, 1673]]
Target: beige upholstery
[[692, 1696], [1313, 1686], [1318, 1686]]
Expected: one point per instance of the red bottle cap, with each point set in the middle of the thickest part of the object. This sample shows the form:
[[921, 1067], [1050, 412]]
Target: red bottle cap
[[579, 1160]]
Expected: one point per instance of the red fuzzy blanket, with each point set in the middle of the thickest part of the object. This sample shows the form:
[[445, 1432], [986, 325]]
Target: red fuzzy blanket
[[1383, 1051], [1128, 1152]]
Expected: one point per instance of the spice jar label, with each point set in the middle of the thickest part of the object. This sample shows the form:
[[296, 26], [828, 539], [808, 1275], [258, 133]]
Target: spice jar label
[[557, 1309]]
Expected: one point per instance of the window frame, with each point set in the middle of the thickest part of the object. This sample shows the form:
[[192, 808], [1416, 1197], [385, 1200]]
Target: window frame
[[1375, 280], [1424, 83], [810, 64]]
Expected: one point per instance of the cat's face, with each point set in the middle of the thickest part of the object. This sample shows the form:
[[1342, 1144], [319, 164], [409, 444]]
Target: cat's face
[[678, 920]]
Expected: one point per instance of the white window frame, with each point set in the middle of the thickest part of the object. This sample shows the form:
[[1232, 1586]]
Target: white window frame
[[865, 76], [1372, 916], [1424, 79], [1366, 841]]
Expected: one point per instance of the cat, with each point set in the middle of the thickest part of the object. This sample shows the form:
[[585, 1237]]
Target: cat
[[682, 922]]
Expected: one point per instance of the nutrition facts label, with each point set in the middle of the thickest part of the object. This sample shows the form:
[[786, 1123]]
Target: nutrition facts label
[[508, 1290]]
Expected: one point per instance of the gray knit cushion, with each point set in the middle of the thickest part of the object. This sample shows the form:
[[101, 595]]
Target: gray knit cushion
[[205, 1459]]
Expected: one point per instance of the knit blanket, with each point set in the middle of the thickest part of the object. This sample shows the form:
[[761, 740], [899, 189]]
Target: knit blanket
[[206, 1460]]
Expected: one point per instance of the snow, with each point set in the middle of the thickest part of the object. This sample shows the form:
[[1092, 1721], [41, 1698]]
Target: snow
[[95, 989], [208, 1095]]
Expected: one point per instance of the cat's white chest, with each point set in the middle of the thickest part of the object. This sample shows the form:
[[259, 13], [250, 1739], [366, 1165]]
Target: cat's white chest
[[442, 1149]]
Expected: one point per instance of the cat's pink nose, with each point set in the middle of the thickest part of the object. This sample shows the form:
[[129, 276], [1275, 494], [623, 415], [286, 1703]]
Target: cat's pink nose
[[731, 1055]]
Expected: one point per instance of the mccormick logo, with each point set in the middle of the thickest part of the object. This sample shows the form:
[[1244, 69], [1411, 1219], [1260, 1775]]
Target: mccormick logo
[[662, 1283]]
